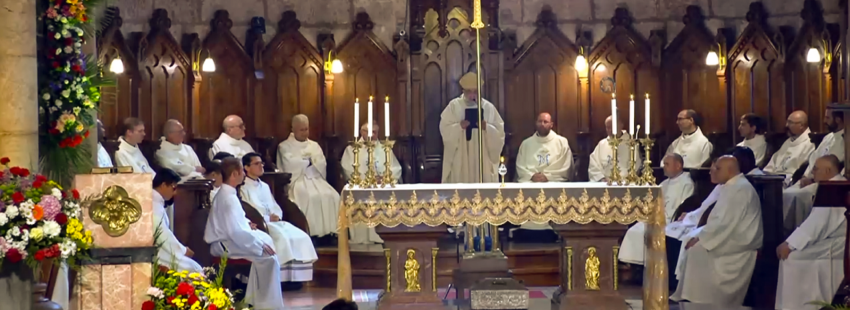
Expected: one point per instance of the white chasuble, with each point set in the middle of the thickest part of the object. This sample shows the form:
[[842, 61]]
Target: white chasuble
[[227, 144], [549, 155], [360, 233], [675, 191], [309, 188], [103, 159], [295, 250], [171, 253], [229, 231], [719, 266], [460, 155], [601, 160], [797, 203], [180, 158], [758, 145], [793, 153], [694, 148], [131, 156]]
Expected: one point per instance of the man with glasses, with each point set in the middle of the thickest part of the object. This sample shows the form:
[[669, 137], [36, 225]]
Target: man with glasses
[[796, 149], [175, 155], [692, 145], [230, 140]]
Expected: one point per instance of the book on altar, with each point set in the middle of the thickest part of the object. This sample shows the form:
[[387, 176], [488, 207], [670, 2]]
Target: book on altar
[[471, 116]]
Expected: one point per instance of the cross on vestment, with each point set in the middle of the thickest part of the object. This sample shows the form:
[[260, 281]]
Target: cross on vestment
[[541, 159]]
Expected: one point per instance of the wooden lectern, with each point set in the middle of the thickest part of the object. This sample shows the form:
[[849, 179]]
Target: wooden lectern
[[836, 194]]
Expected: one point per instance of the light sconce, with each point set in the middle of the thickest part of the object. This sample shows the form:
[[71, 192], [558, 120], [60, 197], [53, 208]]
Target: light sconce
[[716, 58], [813, 56], [209, 65], [117, 65], [581, 63], [333, 65]]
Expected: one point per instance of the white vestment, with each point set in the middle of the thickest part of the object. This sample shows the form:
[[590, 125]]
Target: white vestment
[[813, 270], [675, 191], [601, 163], [793, 153], [171, 253], [718, 268], [549, 155], [229, 231], [295, 250], [797, 204], [180, 158], [758, 145], [460, 156], [309, 188], [694, 148], [103, 159], [833, 143], [360, 233], [131, 156], [682, 229], [227, 144]]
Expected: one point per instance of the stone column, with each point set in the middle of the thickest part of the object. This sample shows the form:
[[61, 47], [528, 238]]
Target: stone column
[[18, 83]]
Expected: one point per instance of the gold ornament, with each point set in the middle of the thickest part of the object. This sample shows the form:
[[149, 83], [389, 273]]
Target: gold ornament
[[355, 179], [388, 179], [476, 15], [569, 268], [616, 260], [389, 271], [614, 178], [114, 211], [411, 272], [434, 252], [591, 270]]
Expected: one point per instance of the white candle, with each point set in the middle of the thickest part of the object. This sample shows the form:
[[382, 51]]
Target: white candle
[[387, 117], [632, 115], [613, 114], [646, 113], [356, 118], [370, 120]]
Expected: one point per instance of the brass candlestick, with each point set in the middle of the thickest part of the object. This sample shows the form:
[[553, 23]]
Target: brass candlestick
[[388, 179], [355, 179], [502, 170], [632, 177], [371, 175], [614, 178], [647, 178]]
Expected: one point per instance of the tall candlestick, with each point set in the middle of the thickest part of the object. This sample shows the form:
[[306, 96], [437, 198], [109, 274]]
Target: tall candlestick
[[614, 114], [356, 118], [632, 115], [646, 113], [370, 120], [387, 117]]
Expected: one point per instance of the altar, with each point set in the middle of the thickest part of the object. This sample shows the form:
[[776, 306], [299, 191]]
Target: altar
[[428, 208]]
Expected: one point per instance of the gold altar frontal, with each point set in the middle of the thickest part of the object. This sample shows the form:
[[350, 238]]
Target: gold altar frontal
[[408, 211]]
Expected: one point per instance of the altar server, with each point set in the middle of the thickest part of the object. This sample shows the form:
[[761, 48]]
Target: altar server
[[832, 143], [303, 158], [545, 156], [176, 155], [229, 232], [230, 140], [751, 127], [129, 154], [294, 248], [812, 257], [795, 150], [721, 255], [360, 233], [676, 188], [460, 136], [103, 159], [601, 163], [172, 254], [692, 145]]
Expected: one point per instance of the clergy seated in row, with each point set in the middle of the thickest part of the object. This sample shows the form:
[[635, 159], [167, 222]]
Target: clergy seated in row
[[751, 127], [294, 248], [692, 145], [317, 199], [129, 154], [720, 254], [230, 141], [176, 155], [795, 150], [601, 160], [812, 258], [103, 159], [543, 157], [229, 232], [360, 234], [172, 254], [213, 172]]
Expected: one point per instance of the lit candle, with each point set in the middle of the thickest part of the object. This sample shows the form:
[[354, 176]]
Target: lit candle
[[646, 113], [387, 117], [370, 120], [614, 114], [356, 118], [632, 115]]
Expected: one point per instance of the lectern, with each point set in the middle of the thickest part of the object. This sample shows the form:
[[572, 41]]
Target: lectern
[[836, 194]]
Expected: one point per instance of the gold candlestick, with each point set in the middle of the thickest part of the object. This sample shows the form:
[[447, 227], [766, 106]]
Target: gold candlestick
[[502, 170], [632, 177], [371, 175], [647, 178], [614, 178], [388, 179], [355, 179]]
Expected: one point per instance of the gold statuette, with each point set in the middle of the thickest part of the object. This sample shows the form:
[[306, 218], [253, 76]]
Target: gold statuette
[[411, 272], [114, 210], [591, 270]]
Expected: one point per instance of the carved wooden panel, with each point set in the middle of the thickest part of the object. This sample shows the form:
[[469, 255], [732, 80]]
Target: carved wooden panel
[[809, 85], [120, 101]]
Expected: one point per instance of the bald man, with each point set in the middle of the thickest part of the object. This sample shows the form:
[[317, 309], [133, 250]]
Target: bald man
[[545, 156], [832, 143], [601, 163], [176, 155], [795, 150], [692, 145], [304, 159], [721, 253], [813, 255], [230, 141]]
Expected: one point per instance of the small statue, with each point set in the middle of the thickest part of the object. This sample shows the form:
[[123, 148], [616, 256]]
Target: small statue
[[591, 270], [411, 272]]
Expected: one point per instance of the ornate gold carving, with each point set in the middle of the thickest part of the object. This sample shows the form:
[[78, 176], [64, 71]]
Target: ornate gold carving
[[434, 252], [569, 268], [389, 270], [114, 210], [411, 272], [591, 270], [616, 260], [477, 23]]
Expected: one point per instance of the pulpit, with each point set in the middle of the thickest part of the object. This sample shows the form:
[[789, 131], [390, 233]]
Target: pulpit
[[836, 194]]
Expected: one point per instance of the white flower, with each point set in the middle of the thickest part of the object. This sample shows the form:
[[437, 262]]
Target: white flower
[[3, 219], [58, 103], [78, 45], [69, 50], [53, 109], [79, 32], [12, 212], [15, 231], [40, 110], [56, 193], [58, 51], [57, 36], [67, 248], [65, 33], [155, 292], [46, 96], [66, 93], [77, 110], [51, 229], [25, 236]]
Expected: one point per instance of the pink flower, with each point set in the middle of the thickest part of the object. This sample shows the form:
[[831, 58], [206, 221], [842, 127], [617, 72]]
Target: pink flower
[[51, 13], [52, 207]]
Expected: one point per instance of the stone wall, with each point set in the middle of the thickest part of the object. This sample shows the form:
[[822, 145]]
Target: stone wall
[[335, 16]]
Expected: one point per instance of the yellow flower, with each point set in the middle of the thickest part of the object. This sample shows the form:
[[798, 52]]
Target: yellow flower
[[73, 1], [194, 275], [36, 234], [80, 127]]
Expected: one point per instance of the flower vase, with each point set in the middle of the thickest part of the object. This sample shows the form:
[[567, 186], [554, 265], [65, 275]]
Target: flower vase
[[16, 286], [39, 302]]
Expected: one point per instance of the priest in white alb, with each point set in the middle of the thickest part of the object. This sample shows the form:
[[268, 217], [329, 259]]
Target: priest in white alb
[[103, 159], [303, 158], [229, 232], [230, 141], [459, 129], [812, 258], [692, 145], [171, 253], [795, 150], [751, 127], [721, 254], [129, 154], [176, 155], [832, 143], [360, 233], [601, 163], [295, 251]]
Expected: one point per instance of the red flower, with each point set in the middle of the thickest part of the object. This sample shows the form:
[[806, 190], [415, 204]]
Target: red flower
[[170, 300], [54, 131], [84, 18], [148, 305], [63, 143], [58, 2], [61, 219], [39, 256], [55, 65], [69, 41], [75, 194], [14, 256], [17, 197], [86, 134], [24, 172], [192, 300], [77, 68], [212, 307], [37, 184], [39, 177], [78, 139], [185, 289], [16, 171], [4, 160]]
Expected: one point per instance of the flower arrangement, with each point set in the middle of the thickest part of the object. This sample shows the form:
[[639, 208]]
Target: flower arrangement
[[194, 291], [38, 220]]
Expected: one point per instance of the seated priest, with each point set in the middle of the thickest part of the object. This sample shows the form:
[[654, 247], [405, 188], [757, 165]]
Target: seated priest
[[129, 154], [213, 172], [681, 227], [746, 160], [812, 258], [721, 254], [303, 158], [832, 143], [795, 150], [230, 140], [692, 145], [751, 127], [176, 155], [601, 164], [676, 188], [229, 232], [294, 248], [360, 234], [103, 159], [172, 254]]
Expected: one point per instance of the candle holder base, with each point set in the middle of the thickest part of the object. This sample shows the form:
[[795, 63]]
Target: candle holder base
[[614, 178]]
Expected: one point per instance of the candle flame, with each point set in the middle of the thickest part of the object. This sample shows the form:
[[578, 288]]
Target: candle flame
[[502, 159], [370, 98], [647, 95], [632, 96], [387, 98], [613, 95], [357, 100]]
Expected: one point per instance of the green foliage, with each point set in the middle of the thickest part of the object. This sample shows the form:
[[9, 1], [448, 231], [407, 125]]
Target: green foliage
[[828, 306]]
